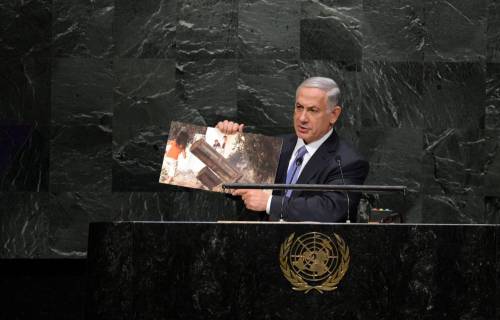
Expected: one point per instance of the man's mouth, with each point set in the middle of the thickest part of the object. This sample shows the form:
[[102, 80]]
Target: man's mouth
[[303, 129]]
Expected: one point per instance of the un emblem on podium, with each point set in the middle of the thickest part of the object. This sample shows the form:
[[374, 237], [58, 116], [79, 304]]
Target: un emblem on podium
[[313, 261]]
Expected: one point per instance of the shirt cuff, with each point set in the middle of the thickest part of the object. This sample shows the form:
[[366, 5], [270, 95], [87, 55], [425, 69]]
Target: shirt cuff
[[268, 205]]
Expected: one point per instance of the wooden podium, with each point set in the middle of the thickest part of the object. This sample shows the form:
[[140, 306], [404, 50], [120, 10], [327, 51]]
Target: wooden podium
[[181, 270]]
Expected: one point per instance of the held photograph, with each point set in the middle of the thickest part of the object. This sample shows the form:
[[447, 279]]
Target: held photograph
[[204, 158]]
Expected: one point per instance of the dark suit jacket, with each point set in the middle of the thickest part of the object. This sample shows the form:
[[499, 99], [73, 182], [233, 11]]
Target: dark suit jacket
[[322, 168]]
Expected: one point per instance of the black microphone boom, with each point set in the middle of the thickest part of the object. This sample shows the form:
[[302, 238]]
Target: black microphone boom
[[318, 187]]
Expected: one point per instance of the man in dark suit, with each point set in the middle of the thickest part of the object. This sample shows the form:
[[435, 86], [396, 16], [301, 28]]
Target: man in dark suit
[[313, 155]]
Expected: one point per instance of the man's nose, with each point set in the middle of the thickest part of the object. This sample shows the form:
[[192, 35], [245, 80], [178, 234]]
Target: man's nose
[[303, 116]]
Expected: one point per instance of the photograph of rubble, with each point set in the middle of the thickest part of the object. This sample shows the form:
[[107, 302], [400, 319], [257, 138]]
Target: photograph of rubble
[[204, 158]]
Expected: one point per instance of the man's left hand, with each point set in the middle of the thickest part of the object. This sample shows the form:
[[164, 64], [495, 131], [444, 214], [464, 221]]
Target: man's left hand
[[255, 200]]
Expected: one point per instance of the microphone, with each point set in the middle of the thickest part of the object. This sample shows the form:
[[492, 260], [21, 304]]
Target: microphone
[[343, 182], [298, 162]]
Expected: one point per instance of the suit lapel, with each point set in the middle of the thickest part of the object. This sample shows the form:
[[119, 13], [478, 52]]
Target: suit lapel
[[319, 159], [289, 143]]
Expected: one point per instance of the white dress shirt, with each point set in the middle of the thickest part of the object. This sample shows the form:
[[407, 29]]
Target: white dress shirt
[[311, 148]]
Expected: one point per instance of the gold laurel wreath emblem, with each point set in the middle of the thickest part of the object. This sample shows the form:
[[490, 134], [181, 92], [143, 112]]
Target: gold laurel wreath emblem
[[298, 283]]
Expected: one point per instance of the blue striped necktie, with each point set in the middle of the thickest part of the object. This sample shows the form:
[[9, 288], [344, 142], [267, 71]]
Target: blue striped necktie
[[293, 172]]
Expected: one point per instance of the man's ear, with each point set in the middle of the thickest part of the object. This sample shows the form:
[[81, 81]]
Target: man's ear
[[337, 110]]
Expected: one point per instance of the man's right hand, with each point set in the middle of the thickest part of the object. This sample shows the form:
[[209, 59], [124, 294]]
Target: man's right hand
[[229, 127]]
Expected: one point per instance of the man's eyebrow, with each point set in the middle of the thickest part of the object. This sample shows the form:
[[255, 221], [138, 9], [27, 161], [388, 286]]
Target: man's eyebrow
[[298, 104]]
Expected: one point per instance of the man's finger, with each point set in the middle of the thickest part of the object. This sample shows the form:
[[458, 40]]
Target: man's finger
[[239, 192], [229, 127]]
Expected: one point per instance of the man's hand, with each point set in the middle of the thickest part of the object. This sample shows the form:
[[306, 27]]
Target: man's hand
[[229, 127], [255, 200]]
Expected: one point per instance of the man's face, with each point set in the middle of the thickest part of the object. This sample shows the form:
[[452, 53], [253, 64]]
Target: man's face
[[311, 118]]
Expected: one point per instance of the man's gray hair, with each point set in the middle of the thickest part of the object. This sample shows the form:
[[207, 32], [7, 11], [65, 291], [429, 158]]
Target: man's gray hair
[[325, 84]]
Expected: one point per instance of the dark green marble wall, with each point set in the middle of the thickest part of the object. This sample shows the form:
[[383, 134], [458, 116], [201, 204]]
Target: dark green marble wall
[[88, 89]]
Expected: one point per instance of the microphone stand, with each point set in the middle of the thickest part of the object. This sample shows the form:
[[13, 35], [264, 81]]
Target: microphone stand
[[346, 193]]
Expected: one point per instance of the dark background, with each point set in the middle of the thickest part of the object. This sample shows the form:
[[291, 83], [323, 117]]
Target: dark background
[[88, 90]]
